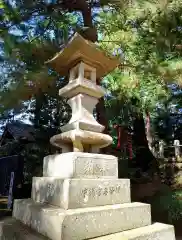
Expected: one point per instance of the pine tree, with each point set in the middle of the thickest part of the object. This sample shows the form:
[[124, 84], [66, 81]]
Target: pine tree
[[147, 37], [32, 32]]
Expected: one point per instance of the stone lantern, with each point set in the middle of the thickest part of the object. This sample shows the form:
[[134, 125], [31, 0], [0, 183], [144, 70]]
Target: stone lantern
[[80, 196], [83, 63]]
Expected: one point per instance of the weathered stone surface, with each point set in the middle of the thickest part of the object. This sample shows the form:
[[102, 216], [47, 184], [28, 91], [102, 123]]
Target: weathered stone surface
[[79, 48], [78, 193], [80, 165], [12, 229], [157, 231], [82, 114], [42, 218], [81, 139], [81, 223]]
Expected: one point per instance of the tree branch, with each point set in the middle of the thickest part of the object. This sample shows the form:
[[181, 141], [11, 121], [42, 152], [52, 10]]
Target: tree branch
[[85, 8]]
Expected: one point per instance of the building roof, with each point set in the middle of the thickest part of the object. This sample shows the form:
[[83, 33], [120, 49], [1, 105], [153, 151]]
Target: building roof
[[20, 130]]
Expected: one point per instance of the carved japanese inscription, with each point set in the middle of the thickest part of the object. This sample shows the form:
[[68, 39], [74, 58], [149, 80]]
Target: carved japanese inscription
[[100, 191]]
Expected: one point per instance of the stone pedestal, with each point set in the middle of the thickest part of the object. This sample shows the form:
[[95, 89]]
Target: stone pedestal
[[80, 196], [83, 200]]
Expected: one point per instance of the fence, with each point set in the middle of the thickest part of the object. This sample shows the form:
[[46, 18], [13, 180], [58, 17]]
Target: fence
[[175, 148]]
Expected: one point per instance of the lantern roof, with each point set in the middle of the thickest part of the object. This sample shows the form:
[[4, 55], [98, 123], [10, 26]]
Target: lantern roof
[[78, 49]]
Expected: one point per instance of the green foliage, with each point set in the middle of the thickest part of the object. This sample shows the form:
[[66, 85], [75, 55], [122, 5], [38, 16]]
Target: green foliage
[[168, 201], [31, 33], [145, 35]]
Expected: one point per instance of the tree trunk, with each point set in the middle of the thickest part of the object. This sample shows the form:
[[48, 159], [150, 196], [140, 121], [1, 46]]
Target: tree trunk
[[149, 135], [144, 156]]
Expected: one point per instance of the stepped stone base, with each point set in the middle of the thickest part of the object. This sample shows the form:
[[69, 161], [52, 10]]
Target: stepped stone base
[[156, 231], [11, 229], [78, 193], [80, 197], [81, 223]]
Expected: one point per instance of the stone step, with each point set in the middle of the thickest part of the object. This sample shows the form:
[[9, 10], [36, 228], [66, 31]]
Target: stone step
[[80, 165], [156, 231], [79, 193], [81, 223], [12, 229]]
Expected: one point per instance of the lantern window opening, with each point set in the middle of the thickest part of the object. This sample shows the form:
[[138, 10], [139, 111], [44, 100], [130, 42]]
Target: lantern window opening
[[82, 71]]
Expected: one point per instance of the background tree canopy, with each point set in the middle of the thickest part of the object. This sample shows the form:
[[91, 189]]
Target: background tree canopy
[[145, 35]]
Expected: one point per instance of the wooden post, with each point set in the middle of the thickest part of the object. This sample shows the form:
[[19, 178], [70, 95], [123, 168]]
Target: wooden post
[[161, 149], [10, 195], [177, 148]]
